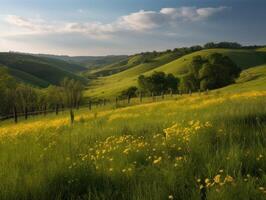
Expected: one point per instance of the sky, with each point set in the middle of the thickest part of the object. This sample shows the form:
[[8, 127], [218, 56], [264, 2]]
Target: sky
[[112, 27]]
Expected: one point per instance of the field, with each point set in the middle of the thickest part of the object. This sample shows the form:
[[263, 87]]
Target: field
[[208, 146]]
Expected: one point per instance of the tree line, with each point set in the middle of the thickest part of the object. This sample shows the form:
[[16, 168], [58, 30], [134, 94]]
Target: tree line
[[186, 50], [16, 97]]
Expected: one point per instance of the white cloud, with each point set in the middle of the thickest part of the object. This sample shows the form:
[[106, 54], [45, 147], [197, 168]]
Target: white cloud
[[191, 13], [140, 21], [36, 25]]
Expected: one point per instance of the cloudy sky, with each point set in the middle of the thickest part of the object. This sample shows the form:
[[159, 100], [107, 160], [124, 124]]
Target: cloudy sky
[[104, 27]]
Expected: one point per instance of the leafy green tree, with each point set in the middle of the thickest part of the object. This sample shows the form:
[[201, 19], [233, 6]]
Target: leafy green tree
[[172, 82], [72, 94], [188, 83], [54, 97], [130, 92], [158, 83], [8, 93], [212, 72], [26, 98], [218, 72]]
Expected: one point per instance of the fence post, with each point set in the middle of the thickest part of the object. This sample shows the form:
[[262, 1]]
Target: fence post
[[116, 102], [190, 93], [128, 99], [72, 117], [56, 109], [153, 97], [162, 95], [26, 113], [140, 97], [15, 114], [180, 92], [44, 109], [89, 105], [171, 92]]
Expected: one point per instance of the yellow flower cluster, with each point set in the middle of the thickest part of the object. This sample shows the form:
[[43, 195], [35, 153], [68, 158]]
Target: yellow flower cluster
[[30, 127], [218, 180], [184, 133], [121, 154]]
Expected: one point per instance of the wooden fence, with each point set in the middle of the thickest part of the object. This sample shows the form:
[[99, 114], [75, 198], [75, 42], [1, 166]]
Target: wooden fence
[[113, 103]]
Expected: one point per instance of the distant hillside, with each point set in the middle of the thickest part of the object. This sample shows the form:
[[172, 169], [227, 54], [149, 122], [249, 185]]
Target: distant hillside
[[242, 57], [142, 62], [87, 61], [113, 84], [39, 71]]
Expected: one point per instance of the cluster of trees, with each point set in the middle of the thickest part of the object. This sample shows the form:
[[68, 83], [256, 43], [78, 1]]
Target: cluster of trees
[[16, 97], [204, 73], [186, 50], [158, 83], [226, 45], [212, 72]]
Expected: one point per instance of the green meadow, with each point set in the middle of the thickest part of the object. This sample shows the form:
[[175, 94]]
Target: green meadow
[[203, 146], [208, 145]]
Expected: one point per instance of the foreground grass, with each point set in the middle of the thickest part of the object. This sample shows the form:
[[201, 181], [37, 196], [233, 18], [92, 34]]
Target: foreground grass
[[199, 147]]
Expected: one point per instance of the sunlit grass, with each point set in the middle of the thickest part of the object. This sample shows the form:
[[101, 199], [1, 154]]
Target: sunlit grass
[[184, 147]]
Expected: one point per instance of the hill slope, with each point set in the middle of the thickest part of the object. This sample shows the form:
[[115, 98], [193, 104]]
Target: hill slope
[[113, 84], [39, 71], [86, 61], [250, 79]]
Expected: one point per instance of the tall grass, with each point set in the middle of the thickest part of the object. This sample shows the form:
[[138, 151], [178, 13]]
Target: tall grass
[[198, 147]]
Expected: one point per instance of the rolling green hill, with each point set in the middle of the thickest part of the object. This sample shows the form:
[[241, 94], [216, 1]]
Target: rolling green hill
[[136, 64], [87, 61], [253, 78], [39, 71], [113, 84]]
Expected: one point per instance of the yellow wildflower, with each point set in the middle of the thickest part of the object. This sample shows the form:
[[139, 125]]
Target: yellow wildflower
[[228, 179], [171, 197], [217, 178], [157, 160]]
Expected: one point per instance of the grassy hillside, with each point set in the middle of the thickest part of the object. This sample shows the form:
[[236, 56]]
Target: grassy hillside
[[250, 79], [183, 148], [133, 67], [113, 84], [146, 61], [27, 78], [39, 71], [87, 61]]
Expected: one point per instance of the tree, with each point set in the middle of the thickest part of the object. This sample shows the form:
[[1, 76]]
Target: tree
[[158, 83], [72, 94], [54, 97], [26, 98], [172, 82], [212, 72], [130, 92], [188, 83], [8, 93]]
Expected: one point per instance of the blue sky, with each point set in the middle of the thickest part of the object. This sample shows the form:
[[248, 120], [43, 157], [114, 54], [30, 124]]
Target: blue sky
[[104, 27]]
